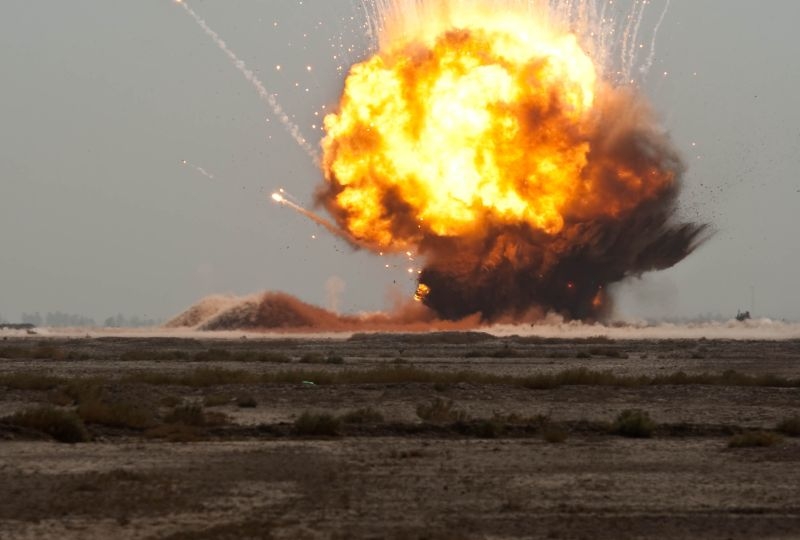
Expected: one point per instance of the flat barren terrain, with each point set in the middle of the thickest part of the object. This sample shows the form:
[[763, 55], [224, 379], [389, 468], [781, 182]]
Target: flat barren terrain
[[448, 435]]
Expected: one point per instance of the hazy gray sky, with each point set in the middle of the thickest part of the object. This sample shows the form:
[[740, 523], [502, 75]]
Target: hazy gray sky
[[101, 101]]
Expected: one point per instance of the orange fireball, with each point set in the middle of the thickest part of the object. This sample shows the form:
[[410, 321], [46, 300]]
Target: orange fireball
[[487, 139], [453, 128]]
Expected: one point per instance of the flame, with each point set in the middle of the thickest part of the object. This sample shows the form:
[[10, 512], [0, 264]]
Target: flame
[[490, 121], [422, 292]]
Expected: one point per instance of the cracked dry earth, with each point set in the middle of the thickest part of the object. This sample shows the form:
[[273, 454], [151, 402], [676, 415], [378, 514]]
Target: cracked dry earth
[[392, 483]]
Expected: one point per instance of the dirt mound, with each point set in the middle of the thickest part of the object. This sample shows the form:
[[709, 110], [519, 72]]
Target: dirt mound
[[281, 311], [202, 311], [274, 310]]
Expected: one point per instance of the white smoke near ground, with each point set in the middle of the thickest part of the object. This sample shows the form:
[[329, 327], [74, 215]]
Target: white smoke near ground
[[203, 310], [334, 287]]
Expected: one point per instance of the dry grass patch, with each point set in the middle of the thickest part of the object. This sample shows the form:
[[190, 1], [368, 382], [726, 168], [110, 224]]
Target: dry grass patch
[[40, 352], [246, 402], [366, 415], [317, 425], [30, 381], [554, 434], [440, 411], [790, 426], [754, 439], [634, 423], [192, 414], [215, 400], [117, 414], [63, 426], [178, 433]]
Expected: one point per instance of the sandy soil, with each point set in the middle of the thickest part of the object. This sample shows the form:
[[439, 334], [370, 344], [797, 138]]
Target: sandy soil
[[254, 477]]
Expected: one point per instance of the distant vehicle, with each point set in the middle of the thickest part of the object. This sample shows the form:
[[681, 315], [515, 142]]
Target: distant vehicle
[[742, 316]]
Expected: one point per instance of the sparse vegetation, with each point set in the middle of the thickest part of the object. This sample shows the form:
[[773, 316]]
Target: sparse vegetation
[[145, 355], [366, 415], [29, 381], [634, 423], [206, 377], [39, 352], [790, 426], [317, 424], [215, 400], [334, 359], [312, 358], [608, 352], [63, 426], [188, 414], [489, 428], [554, 434], [222, 355], [440, 411], [197, 378], [116, 414], [505, 352], [175, 433], [754, 439], [246, 402]]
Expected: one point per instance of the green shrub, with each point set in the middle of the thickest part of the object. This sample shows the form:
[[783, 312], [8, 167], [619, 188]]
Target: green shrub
[[754, 439], [63, 426], [790, 426], [440, 411], [634, 423], [317, 424]]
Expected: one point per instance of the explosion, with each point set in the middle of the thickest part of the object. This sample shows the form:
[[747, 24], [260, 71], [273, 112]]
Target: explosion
[[486, 137]]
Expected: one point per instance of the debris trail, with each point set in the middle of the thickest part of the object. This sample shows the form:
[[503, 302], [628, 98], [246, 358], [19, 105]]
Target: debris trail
[[267, 96], [198, 169], [281, 198]]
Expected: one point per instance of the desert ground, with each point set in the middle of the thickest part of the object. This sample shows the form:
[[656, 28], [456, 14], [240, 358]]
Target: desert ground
[[443, 435]]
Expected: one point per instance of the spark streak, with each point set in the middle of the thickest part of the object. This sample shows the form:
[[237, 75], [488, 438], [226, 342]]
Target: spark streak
[[197, 168], [280, 197]]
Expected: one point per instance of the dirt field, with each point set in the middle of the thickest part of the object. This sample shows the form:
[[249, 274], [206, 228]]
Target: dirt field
[[457, 435]]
